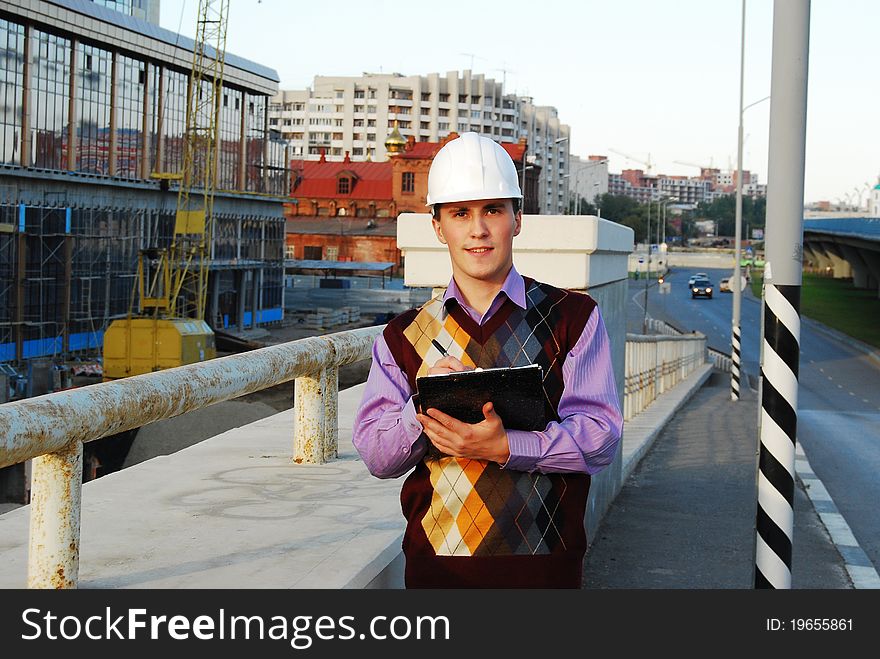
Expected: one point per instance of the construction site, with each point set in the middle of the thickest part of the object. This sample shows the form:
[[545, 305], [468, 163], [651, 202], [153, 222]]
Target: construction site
[[141, 197]]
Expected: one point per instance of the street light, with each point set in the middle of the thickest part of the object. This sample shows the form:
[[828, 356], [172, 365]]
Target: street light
[[737, 252]]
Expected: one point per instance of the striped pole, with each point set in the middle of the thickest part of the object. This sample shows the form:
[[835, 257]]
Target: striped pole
[[735, 361], [780, 349], [779, 372]]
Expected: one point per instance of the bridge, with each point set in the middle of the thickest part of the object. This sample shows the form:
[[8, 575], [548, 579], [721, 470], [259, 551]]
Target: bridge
[[845, 247], [285, 502]]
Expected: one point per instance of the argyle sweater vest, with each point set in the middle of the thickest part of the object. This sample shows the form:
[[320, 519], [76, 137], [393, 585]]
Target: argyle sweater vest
[[471, 523]]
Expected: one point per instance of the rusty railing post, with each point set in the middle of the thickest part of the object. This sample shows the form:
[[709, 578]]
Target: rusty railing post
[[53, 554]]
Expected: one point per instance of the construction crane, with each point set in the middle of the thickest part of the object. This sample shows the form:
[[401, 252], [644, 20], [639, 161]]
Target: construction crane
[[169, 328], [646, 163], [694, 164]]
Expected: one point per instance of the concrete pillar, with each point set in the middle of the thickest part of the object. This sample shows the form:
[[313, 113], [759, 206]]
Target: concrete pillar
[[857, 265], [820, 256], [842, 268], [872, 262]]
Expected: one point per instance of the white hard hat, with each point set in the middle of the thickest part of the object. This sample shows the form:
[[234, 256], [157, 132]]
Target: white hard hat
[[472, 167]]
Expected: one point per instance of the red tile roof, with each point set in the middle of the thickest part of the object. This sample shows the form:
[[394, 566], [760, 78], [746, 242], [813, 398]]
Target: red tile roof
[[318, 179], [428, 150]]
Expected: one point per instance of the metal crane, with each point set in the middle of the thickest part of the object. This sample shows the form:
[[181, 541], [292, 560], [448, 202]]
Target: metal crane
[[170, 329], [646, 163], [693, 164]]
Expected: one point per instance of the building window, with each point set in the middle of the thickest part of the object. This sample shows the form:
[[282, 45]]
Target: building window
[[408, 185], [343, 185], [312, 252]]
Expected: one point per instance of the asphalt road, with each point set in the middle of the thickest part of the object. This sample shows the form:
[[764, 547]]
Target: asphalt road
[[838, 392]]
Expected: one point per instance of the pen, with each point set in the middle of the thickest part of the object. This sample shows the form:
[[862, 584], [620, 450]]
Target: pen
[[440, 347]]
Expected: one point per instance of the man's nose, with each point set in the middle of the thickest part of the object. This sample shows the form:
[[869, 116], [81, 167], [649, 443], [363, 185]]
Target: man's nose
[[479, 226]]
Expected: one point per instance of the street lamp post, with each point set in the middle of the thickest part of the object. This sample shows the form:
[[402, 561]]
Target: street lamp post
[[737, 269]]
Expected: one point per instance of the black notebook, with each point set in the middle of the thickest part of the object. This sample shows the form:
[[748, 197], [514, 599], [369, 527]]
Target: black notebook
[[516, 392]]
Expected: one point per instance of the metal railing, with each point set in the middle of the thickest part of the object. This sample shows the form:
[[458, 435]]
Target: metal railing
[[51, 429], [722, 361], [655, 364]]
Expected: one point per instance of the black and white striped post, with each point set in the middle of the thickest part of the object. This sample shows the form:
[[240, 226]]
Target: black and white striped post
[[780, 350], [737, 274]]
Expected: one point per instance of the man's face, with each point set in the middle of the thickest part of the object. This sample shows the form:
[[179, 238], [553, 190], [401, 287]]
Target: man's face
[[479, 235]]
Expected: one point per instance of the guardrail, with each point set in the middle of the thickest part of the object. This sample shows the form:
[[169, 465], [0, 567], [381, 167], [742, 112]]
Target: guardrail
[[656, 363], [720, 360], [51, 429]]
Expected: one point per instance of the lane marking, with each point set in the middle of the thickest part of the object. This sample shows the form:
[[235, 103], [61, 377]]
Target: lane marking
[[858, 566]]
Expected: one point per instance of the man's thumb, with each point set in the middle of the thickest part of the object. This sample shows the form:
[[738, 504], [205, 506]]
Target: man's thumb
[[489, 410]]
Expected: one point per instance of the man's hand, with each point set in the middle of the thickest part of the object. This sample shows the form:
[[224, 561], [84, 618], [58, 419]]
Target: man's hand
[[486, 440], [448, 364]]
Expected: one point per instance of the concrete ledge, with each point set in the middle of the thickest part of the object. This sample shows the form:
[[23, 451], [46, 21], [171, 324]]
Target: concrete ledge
[[592, 253], [640, 432]]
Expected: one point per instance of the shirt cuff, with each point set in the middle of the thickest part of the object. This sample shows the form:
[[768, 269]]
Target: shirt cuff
[[525, 450]]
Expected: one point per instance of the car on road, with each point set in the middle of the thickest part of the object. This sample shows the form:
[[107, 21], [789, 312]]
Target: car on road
[[724, 285], [701, 288], [694, 277]]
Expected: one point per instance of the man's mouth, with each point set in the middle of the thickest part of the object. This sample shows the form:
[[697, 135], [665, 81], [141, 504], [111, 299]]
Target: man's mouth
[[479, 250]]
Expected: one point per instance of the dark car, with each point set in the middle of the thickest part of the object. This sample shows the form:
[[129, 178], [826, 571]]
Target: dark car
[[701, 288]]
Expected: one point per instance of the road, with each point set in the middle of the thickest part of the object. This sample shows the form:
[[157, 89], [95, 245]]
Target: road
[[838, 392]]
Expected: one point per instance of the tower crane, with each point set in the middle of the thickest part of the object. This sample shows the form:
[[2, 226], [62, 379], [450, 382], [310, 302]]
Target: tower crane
[[647, 163], [169, 328], [693, 164]]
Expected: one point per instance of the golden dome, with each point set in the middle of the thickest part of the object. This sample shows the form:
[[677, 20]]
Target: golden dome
[[395, 143]]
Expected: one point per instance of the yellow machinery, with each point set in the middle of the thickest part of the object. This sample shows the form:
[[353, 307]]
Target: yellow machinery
[[170, 329]]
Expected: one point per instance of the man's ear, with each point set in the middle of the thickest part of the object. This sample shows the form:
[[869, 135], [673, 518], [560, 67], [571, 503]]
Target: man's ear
[[517, 227], [435, 222]]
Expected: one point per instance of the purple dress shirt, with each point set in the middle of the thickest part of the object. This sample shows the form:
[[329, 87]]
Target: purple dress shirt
[[388, 436]]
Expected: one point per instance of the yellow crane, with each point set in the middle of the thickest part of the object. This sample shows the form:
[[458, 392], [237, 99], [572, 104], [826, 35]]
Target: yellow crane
[[170, 329]]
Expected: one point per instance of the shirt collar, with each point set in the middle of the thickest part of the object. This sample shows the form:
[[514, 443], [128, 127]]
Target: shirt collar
[[514, 287]]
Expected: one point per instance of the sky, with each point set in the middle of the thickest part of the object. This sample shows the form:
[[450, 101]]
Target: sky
[[636, 80]]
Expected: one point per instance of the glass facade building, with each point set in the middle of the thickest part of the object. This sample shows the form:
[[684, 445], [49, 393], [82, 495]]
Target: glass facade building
[[87, 120]]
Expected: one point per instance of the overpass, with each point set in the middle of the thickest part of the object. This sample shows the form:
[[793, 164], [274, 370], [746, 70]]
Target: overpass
[[844, 248]]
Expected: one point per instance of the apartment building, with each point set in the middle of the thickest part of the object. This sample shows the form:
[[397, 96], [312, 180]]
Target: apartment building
[[343, 115], [587, 179]]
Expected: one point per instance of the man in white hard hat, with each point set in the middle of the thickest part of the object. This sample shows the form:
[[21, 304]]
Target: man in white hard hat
[[486, 506]]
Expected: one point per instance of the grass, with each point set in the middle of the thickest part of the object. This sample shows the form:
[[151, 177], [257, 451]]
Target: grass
[[837, 304]]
